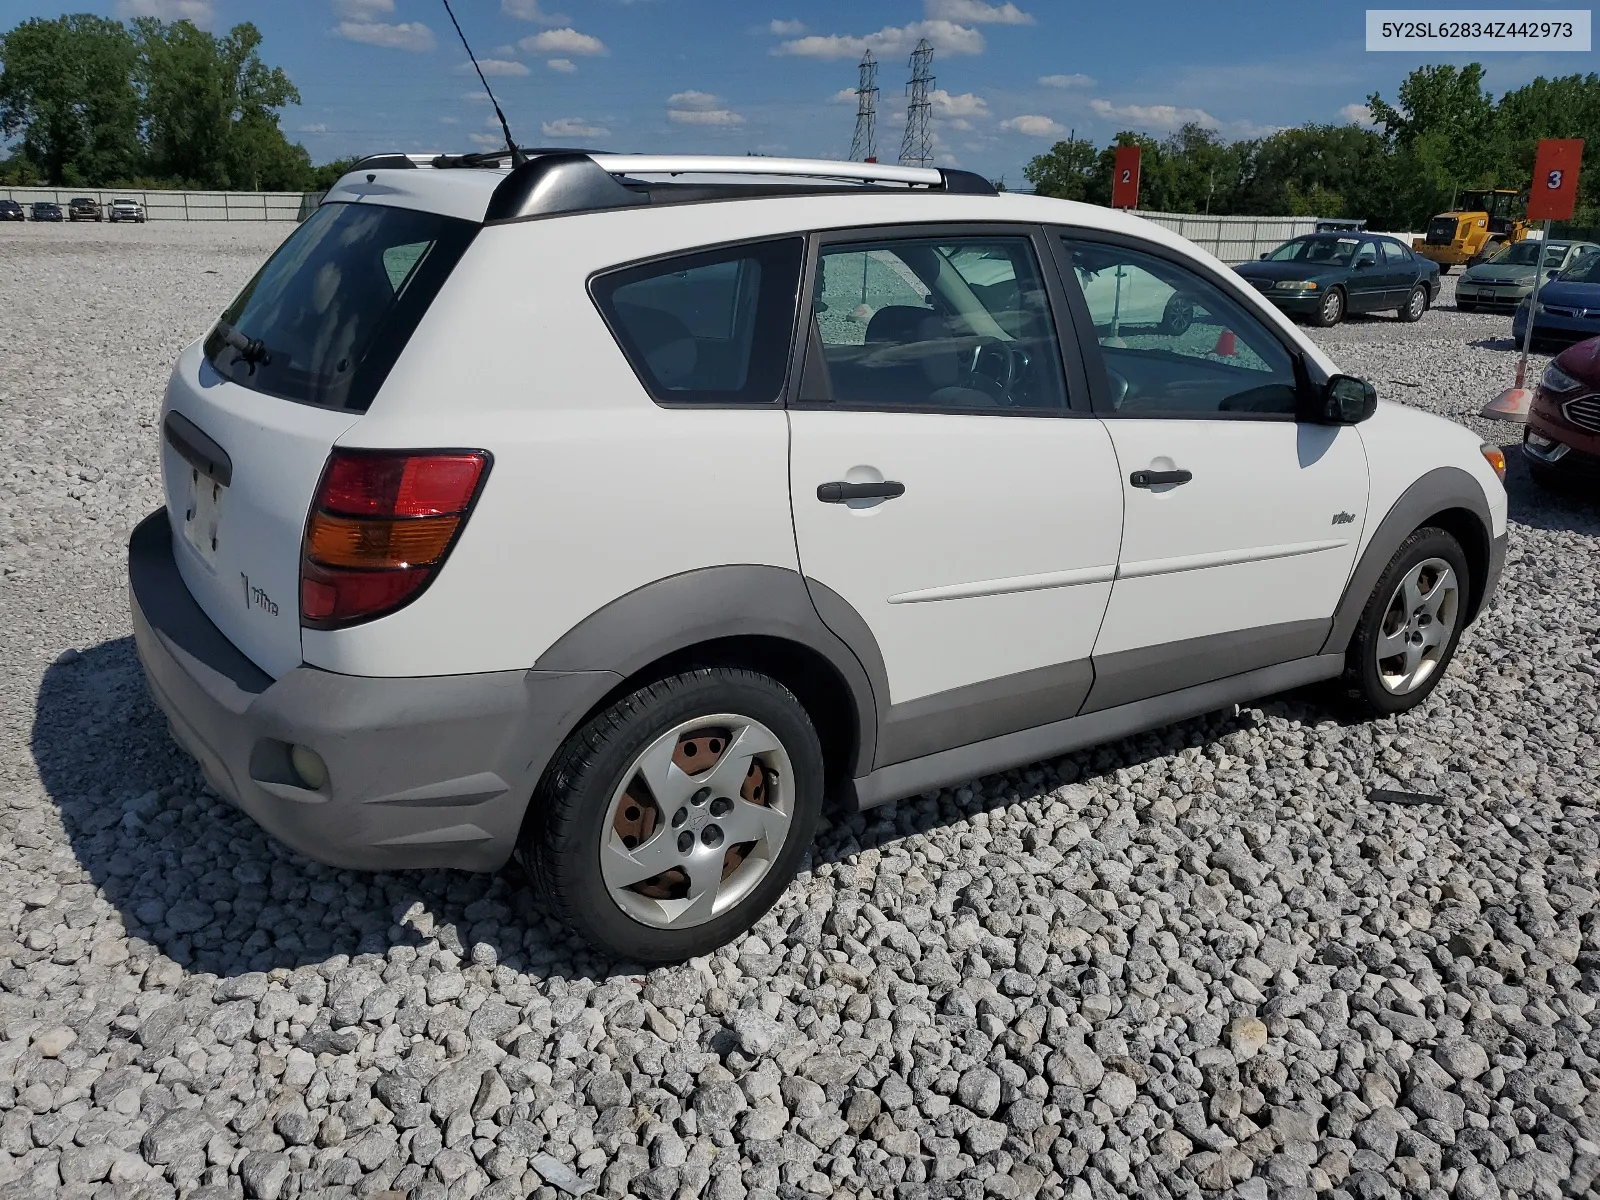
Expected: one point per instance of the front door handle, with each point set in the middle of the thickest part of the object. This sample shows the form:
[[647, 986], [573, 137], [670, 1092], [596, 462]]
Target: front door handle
[[839, 492], [1149, 479]]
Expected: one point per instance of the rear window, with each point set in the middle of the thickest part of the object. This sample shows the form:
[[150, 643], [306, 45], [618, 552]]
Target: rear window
[[333, 308], [707, 328]]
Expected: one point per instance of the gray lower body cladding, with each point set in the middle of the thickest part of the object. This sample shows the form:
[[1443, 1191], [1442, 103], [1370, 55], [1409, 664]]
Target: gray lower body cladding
[[423, 772]]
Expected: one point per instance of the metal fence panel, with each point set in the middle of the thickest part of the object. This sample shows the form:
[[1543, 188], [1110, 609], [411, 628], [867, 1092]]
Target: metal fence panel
[[1233, 239], [163, 205]]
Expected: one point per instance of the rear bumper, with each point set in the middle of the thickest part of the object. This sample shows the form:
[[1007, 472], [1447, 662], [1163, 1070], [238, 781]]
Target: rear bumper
[[422, 772]]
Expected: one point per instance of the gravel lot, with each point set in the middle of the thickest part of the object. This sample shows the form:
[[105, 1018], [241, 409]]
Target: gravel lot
[[1191, 962]]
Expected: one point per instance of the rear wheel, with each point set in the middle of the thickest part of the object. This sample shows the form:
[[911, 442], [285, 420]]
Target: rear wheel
[[1416, 304], [671, 821], [1332, 310], [1411, 625]]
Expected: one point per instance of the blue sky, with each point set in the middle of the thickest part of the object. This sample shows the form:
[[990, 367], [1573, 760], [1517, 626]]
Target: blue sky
[[717, 76]]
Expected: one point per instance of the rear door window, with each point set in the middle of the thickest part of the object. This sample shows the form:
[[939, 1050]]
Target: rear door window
[[708, 328], [332, 309]]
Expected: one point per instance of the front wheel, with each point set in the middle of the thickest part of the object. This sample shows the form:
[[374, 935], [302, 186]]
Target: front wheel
[[673, 820], [1411, 625], [1331, 311], [1416, 304]]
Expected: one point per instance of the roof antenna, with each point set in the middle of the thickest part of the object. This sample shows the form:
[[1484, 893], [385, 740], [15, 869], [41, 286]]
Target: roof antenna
[[517, 156]]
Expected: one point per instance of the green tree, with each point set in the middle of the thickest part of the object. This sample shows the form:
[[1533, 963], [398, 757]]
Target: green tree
[[1064, 170], [209, 108], [66, 88], [1567, 107]]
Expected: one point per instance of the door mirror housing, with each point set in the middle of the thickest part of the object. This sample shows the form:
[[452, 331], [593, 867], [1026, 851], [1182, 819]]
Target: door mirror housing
[[1347, 400], [1264, 254]]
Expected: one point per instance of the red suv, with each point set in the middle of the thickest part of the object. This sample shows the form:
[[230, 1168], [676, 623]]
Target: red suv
[[1562, 442]]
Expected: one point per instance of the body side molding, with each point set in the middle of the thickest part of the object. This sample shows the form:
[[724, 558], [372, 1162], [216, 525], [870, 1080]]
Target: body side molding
[[1030, 745]]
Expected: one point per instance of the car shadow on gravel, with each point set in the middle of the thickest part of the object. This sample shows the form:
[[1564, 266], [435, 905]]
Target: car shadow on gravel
[[1570, 511], [203, 884]]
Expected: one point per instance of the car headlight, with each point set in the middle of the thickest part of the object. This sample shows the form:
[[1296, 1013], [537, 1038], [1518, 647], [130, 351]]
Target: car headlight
[[1295, 285], [1495, 457], [1558, 381]]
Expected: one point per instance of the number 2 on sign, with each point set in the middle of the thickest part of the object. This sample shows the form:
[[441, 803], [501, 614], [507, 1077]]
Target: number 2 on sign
[[1127, 177]]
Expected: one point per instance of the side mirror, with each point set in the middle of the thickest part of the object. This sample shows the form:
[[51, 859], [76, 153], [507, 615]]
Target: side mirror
[[1550, 276], [1264, 254], [1363, 263], [1347, 400]]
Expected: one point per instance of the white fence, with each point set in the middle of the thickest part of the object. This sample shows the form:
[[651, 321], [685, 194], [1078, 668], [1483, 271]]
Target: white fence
[[184, 206], [1234, 239]]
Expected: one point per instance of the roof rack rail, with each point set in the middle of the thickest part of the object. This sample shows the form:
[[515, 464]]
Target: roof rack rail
[[389, 160], [582, 181]]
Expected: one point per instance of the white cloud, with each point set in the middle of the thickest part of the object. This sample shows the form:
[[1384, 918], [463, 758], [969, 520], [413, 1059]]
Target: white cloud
[[843, 96], [703, 116], [976, 12], [563, 41], [964, 105], [198, 11], [564, 65], [946, 36], [787, 28], [1153, 116], [312, 129], [692, 99], [1356, 114], [407, 35], [487, 140], [700, 108], [1033, 125], [363, 10], [497, 66], [573, 127], [1066, 81], [529, 10], [476, 97]]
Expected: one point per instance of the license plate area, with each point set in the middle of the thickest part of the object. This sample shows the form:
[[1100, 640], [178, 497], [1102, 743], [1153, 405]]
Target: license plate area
[[202, 516]]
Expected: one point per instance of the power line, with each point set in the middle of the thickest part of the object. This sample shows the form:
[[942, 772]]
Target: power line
[[916, 148], [865, 144]]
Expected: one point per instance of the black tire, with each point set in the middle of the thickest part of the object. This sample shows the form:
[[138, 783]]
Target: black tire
[[1445, 269], [561, 840], [1332, 309], [1413, 308], [1361, 682]]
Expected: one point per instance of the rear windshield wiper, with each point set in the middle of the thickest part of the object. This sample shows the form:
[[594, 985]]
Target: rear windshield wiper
[[251, 350]]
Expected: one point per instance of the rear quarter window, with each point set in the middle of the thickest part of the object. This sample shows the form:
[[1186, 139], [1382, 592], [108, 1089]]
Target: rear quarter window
[[335, 305], [712, 327]]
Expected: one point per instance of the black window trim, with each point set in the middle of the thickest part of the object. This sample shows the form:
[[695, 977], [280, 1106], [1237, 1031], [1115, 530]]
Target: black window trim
[[780, 399], [807, 379], [1308, 375]]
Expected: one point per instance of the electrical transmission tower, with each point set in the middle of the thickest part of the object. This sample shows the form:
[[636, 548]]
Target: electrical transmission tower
[[916, 148], [864, 146]]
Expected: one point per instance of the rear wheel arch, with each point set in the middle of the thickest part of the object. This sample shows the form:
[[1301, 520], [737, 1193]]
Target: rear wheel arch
[[759, 617]]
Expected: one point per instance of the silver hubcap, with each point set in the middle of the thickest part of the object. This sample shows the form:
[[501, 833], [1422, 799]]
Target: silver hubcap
[[1330, 306], [1417, 626], [1418, 300], [697, 821]]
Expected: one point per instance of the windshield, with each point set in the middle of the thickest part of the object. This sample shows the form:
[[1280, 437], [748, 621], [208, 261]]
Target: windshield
[[330, 311], [1585, 270], [1525, 254], [1327, 251]]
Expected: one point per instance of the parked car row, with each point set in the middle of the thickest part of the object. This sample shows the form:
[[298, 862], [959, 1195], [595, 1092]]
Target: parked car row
[[80, 208], [1323, 277]]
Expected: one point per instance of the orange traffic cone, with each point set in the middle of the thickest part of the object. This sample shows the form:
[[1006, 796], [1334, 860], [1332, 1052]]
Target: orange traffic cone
[[1513, 403]]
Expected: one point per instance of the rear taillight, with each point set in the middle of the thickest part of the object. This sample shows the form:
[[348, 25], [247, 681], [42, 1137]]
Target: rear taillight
[[381, 526]]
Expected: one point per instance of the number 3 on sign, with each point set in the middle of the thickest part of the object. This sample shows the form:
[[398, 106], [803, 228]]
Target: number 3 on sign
[[1553, 181]]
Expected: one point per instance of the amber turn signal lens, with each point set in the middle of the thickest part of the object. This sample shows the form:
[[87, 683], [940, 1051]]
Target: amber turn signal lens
[[378, 544], [1496, 458]]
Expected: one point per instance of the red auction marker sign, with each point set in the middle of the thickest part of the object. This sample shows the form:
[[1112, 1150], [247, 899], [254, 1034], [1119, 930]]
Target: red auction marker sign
[[1125, 178], [1555, 179], [1551, 198]]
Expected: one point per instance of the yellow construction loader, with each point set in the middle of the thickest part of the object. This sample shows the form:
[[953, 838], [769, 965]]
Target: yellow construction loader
[[1475, 228]]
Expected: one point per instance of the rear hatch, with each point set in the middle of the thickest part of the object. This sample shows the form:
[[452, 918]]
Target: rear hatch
[[253, 411]]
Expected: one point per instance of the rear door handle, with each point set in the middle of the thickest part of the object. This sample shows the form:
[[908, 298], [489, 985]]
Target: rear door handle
[[839, 492], [1149, 479]]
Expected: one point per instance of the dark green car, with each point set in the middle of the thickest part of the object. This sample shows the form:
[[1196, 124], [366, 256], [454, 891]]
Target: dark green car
[[1324, 276]]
